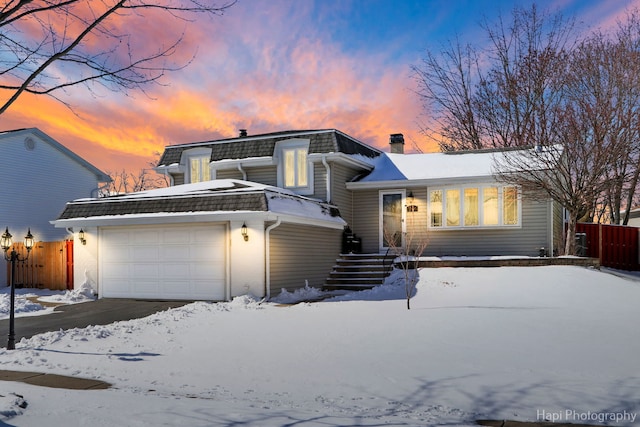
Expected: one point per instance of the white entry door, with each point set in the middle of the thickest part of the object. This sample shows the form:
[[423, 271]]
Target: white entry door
[[184, 262]]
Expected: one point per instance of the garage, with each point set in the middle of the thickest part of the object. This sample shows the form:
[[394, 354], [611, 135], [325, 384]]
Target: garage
[[181, 262]]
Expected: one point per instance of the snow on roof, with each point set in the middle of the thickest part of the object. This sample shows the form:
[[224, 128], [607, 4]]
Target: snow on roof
[[449, 165], [210, 197], [392, 167]]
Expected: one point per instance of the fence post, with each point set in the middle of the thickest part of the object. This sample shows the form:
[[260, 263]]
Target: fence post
[[600, 242]]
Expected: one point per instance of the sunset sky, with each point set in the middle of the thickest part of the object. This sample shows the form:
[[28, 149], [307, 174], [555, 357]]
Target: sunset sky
[[277, 65]]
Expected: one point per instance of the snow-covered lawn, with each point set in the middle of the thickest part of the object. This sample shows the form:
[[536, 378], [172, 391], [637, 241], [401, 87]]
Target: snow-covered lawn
[[504, 343]]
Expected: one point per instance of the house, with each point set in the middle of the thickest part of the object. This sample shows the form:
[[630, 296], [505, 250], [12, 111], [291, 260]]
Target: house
[[259, 213], [39, 175]]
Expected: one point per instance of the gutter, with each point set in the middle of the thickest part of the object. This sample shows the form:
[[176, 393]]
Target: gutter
[[267, 258]]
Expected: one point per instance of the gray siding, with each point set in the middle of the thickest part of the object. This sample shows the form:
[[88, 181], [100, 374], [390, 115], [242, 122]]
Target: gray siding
[[266, 175], [340, 196], [526, 240], [319, 182], [228, 174], [300, 253], [365, 219], [178, 178], [558, 229]]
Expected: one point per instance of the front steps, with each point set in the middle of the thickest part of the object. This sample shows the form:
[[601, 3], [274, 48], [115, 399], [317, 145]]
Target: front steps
[[359, 271]]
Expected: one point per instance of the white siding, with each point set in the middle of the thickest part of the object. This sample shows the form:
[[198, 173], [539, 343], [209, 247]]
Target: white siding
[[37, 181]]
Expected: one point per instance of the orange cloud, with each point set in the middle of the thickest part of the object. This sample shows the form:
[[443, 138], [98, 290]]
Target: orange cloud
[[252, 72]]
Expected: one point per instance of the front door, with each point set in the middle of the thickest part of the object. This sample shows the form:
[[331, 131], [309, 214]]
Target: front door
[[392, 219]]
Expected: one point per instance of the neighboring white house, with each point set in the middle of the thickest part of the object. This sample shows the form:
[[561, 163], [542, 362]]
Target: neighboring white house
[[39, 175]]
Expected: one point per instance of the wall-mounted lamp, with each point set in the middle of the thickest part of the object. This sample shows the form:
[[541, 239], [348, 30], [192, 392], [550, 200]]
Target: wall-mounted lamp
[[244, 232], [6, 241], [410, 206], [81, 237]]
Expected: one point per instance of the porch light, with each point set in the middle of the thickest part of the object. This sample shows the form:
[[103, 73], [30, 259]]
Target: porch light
[[410, 206], [6, 241], [81, 237], [244, 232]]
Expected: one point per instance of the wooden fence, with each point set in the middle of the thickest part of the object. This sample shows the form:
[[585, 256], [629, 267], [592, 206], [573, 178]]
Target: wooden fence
[[616, 246], [50, 266]]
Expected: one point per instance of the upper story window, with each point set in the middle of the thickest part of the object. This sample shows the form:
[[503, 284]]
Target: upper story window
[[195, 164], [295, 167], [199, 169], [295, 171], [482, 206]]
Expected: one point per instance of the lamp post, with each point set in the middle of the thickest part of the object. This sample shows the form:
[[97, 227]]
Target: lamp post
[[6, 241]]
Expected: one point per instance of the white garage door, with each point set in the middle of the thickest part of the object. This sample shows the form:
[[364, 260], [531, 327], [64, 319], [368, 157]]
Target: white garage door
[[163, 262]]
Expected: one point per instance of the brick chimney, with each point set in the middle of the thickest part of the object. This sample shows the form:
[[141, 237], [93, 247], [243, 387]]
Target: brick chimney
[[396, 141]]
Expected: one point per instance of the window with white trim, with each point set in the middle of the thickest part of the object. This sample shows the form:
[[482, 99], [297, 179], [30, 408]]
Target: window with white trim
[[199, 169], [474, 207], [295, 167], [295, 171]]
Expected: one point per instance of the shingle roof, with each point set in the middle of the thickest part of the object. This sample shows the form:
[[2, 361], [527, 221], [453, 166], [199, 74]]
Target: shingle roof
[[320, 141], [218, 196], [210, 203]]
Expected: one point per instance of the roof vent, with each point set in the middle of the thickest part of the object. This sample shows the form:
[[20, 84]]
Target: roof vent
[[243, 133], [396, 141]]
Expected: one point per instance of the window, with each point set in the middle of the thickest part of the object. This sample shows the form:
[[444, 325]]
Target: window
[[490, 206], [435, 203], [199, 169], [295, 167], [510, 208], [482, 206], [471, 206], [295, 170], [452, 203]]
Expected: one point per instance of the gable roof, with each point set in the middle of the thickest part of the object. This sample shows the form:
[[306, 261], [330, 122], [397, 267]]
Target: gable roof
[[210, 197], [320, 141], [445, 166], [100, 175]]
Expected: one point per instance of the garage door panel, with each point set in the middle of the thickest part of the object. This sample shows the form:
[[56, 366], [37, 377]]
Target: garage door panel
[[163, 262], [145, 237]]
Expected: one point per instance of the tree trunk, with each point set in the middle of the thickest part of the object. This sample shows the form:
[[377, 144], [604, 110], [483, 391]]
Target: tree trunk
[[570, 243]]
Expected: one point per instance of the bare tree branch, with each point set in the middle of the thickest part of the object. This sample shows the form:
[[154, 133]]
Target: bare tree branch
[[50, 46]]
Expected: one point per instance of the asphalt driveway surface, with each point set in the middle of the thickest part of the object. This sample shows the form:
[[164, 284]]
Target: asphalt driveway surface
[[99, 312]]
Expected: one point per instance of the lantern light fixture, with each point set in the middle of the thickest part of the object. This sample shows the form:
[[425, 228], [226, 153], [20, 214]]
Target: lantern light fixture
[[83, 240], [6, 241], [244, 232]]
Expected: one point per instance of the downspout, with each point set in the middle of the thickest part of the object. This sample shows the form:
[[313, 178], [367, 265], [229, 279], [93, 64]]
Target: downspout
[[166, 174], [267, 258], [242, 171], [328, 177]]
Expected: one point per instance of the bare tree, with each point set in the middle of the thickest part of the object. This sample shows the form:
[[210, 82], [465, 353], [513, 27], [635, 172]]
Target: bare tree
[[123, 182], [502, 94], [49, 46], [408, 248]]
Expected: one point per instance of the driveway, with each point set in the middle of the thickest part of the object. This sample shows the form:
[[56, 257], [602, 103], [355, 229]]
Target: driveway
[[99, 312]]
